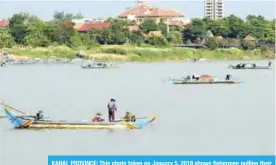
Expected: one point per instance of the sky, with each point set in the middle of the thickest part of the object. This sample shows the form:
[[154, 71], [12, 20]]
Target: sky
[[112, 8]]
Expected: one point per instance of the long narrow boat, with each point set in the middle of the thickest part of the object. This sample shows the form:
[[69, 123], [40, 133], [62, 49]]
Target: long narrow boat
[[182, 81], [97, 65], [21, 123], [250, 66]]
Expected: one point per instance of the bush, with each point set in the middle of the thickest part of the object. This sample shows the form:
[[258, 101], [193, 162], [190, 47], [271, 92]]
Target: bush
[[248, 45], [115, 51], [157, 41], [211, 43]]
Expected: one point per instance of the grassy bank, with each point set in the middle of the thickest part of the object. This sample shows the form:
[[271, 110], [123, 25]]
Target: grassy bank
[[132, 53]]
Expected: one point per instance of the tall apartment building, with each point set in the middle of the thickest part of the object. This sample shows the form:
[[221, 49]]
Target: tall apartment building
[[213, 9]]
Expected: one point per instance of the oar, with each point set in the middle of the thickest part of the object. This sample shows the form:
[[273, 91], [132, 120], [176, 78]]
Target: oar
[[3, 117], [13, 108]]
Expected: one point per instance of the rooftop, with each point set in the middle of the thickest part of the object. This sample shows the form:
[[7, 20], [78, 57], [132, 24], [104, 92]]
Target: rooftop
[[4, 23], [144, 10], [98, 25]]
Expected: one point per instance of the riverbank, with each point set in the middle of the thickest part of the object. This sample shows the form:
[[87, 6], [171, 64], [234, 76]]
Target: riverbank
[[132, 53]]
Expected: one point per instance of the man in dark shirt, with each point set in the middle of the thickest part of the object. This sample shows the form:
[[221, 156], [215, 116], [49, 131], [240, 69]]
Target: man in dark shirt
[[111, 106], [228, 77], [39, 115]]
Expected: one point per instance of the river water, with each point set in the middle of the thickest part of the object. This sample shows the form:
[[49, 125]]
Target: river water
[[192, 119]]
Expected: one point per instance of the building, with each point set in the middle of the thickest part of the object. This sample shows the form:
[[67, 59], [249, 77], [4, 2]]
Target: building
[[93, 25], [4, 23], [143, 11], [213, 9], [84, 25]]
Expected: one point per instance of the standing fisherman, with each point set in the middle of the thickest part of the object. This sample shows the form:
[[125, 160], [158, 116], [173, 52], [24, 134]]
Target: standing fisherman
[[111, 110]]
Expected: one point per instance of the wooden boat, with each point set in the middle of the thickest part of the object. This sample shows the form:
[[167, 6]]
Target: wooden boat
[[183, 81], [23, 123], [250, 66]]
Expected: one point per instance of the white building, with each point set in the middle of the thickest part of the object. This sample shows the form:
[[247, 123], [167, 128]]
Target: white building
[[214, 9]]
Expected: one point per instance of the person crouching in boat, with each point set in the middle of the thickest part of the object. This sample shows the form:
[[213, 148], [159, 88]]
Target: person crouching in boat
[[129, 117], [111, 106], [98, 118], [195, 77], [39, 115]]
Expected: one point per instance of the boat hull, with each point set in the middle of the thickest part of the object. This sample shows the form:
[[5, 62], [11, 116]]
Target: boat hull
[[175, 81], [98, 67], [20, 123], [257, 67]]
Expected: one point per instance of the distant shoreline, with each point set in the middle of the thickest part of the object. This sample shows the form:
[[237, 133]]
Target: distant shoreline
[[129, 53]]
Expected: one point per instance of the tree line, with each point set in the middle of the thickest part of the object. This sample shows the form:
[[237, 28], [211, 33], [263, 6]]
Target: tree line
[[29, 30]]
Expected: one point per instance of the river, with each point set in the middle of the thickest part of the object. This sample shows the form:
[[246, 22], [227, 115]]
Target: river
[[192, 119]]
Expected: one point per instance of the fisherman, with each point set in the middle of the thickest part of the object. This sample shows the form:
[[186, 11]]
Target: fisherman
[[111, 110], [188, 78], [98, 118], [39, 115], [243, 65], [228, 77], [239, 65], [254, 65], [129, 117], [195, 77], [269, 63]]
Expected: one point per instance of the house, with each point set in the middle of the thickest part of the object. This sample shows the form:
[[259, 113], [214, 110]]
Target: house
[[143, 11], [4, 23], [132, 28], [249, 38], [93, 25], [84, 25]]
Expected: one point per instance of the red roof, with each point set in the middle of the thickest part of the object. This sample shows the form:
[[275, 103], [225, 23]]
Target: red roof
[[4, 23], [144, 10], [99, 25]]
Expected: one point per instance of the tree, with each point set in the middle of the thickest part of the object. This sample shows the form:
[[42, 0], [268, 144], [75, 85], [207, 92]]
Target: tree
[[17, 27], [175, 37], [136, 37], [219, 27], [163, 28], [118, 32], [211, 43], [6, 39], [237, 28], [52, 31], [195, 30], [148, 25], [36, 39], [67, 32]]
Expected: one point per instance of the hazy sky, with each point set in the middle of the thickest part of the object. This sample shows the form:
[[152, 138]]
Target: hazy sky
[[95, 9]]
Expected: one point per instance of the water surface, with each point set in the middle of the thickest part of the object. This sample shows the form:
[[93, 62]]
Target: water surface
[[191, 119]]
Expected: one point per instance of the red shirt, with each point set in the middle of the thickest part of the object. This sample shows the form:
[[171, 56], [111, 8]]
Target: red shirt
[[97, 120]]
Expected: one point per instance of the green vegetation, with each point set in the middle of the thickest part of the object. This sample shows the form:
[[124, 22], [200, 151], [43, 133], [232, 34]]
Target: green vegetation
[[28, 35], [135, 53]]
